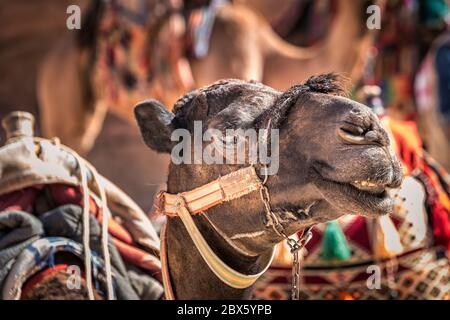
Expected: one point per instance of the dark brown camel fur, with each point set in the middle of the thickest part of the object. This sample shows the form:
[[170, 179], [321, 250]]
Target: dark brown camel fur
[[334, 160]]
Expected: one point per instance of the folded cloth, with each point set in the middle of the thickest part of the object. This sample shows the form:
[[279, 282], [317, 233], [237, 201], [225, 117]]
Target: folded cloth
[[17, 230], [137, 248], [66, 221], [40, 255], [28, 245]]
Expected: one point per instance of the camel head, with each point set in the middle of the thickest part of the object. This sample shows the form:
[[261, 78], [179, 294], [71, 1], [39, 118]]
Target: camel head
[[334, 156]]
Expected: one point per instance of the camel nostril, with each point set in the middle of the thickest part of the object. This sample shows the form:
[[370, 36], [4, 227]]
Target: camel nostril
[[357, 135], [351, 135]]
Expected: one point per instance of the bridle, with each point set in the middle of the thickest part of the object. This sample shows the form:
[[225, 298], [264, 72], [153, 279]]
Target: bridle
[[294, 245], [226, 188]]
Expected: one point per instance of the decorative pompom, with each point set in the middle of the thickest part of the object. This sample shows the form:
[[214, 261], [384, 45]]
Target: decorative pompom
[[334, 243]]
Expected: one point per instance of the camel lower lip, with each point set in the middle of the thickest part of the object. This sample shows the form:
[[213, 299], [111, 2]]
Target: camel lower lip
[[371, 201]]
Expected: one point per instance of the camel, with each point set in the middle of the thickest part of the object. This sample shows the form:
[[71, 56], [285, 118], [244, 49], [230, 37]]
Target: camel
[[273, 11], [242, 45], [343, 166]]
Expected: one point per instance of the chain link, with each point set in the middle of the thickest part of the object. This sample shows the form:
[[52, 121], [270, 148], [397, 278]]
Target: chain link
[[295, 290], [294, 245]]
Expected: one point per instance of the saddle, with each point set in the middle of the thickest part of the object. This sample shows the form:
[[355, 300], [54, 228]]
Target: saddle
[[38, 177]]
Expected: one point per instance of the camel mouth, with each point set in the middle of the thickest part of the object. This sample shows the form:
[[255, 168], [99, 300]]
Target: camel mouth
[[373, 199], [375, 188], [367, 197], [365, 192]]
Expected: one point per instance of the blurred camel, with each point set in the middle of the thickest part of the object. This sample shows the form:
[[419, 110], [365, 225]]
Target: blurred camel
[[242, 45], [25, 38]]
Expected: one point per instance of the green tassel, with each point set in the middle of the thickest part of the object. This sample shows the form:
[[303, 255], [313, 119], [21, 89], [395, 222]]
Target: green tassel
[[334, 243]]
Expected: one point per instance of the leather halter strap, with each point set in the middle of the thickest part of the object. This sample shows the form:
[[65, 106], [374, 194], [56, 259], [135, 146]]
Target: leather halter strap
[[231, 186], [186, 204]]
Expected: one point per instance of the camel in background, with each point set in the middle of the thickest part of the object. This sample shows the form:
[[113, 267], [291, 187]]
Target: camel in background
[[242, 45]]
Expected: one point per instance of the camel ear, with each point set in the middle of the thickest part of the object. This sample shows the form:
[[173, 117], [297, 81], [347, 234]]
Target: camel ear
[[155, 122]]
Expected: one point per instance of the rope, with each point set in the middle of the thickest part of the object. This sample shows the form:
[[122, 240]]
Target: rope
[[105, 234], [86, 226], [83, 168]]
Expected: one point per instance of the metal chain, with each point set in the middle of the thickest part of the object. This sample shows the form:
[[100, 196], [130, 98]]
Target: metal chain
[[294, 245], [295, 289]]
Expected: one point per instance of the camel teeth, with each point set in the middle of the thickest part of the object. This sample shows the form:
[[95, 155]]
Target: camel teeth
[[366, 183]]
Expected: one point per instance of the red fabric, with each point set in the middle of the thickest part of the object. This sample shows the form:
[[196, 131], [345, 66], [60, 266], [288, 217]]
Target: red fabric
[[116, 230], [22, 200], [357, 231], [123, 240], [65, 194], [139, 258], [409, 150], [408, 144], [441, 225], [439, 204]]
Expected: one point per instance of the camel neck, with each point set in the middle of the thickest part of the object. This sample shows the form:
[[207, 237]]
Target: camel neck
[[190, 276]]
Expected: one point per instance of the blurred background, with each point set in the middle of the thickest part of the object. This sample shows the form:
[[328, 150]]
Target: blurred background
[[80, 66]]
